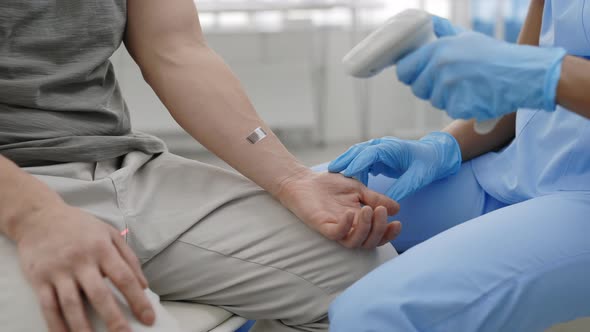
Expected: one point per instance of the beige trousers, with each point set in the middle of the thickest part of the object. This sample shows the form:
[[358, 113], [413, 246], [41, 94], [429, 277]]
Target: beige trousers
[[204, 235]]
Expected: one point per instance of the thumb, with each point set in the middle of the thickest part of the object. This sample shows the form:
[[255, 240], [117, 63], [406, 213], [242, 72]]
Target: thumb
[[338, 229], [444, 27], [375, 200], [412, 65], [342, 162], [408, 183]]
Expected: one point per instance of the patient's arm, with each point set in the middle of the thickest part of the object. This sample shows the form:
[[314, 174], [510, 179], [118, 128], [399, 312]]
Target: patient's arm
[[473, 144], [206, 99], [201, 92]]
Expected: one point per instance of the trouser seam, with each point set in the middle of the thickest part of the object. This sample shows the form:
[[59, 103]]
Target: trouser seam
[[121, 209], [259, 264], [500, 284]]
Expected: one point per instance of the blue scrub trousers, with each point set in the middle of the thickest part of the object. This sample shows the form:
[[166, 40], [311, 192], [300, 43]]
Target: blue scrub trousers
[[475, 264]]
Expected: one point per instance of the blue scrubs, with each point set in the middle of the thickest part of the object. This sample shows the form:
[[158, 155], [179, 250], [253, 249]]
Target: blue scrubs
[[504, 245]]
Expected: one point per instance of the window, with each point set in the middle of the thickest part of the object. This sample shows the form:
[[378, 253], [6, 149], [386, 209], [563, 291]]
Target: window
[[502, 18], [278, 14]]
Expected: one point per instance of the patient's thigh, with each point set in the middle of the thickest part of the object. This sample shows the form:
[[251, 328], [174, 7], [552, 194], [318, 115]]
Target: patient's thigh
[[20, 310], [255, 258]]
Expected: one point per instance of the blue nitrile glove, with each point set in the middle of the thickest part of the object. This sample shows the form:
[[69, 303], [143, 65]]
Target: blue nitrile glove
[[444, 27], [470, 75], [414, 163]]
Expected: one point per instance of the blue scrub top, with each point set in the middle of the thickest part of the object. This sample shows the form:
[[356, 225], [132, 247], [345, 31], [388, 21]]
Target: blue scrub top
[[551, 151]]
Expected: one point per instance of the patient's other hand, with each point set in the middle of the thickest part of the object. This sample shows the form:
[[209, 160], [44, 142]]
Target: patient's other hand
[[65, 253], [333, 205]]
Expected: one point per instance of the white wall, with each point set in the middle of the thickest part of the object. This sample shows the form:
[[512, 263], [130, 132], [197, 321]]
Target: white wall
[[276, 70]]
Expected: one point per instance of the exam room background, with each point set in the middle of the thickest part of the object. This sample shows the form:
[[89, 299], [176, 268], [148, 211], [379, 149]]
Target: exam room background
[[287, 54]]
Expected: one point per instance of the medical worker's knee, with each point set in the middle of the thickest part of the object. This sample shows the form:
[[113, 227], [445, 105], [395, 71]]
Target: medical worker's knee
[[377, 303], [345, 313], [362, 309]]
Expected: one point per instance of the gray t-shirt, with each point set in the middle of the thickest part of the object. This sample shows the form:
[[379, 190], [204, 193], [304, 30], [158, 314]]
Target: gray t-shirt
[[59, 99]]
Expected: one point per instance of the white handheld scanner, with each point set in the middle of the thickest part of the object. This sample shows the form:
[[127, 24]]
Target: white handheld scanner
[[399, 36]]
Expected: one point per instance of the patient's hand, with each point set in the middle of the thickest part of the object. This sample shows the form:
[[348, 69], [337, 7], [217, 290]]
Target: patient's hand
[[65, 252], [332, 205]]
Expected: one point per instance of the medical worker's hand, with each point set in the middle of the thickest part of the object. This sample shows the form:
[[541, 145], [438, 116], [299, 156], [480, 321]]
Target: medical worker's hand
[[65, 253], [444, 28], [470, 75], [414, 163], [332, 205]]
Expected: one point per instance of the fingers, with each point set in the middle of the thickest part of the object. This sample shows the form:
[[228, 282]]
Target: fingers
[[51, 309], [121, 275], [423, 83], [338, 230], [102, 299], [393, 230], [389, 157], [438, 97], [361, 229], [443, 27], [71, 304], [378, 228], [340, 163], [411, 66], [363, 177], [363, 160], [371, 229], [131, 259], [407, 184], [375, 200]]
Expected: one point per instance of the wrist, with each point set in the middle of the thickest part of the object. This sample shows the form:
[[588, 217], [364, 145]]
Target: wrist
[[27, 215], [565, 86], [21, 197], [448, 149], [281, 190], [553, 78]]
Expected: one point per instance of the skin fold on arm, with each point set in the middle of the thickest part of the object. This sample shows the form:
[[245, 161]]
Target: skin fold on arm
[[207, 100]]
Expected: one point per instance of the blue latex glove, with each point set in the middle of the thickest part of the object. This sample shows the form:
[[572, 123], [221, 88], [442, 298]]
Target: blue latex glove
[[471, 75], [444, 27], [414, 163]]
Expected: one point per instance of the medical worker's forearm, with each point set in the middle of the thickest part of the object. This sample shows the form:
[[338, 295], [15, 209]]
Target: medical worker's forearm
[[574, 85], [21, 195], [472, 144], [201, 92], [531, 30]]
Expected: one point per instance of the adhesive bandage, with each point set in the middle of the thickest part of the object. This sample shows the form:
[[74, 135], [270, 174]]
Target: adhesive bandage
[[257, 135]]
